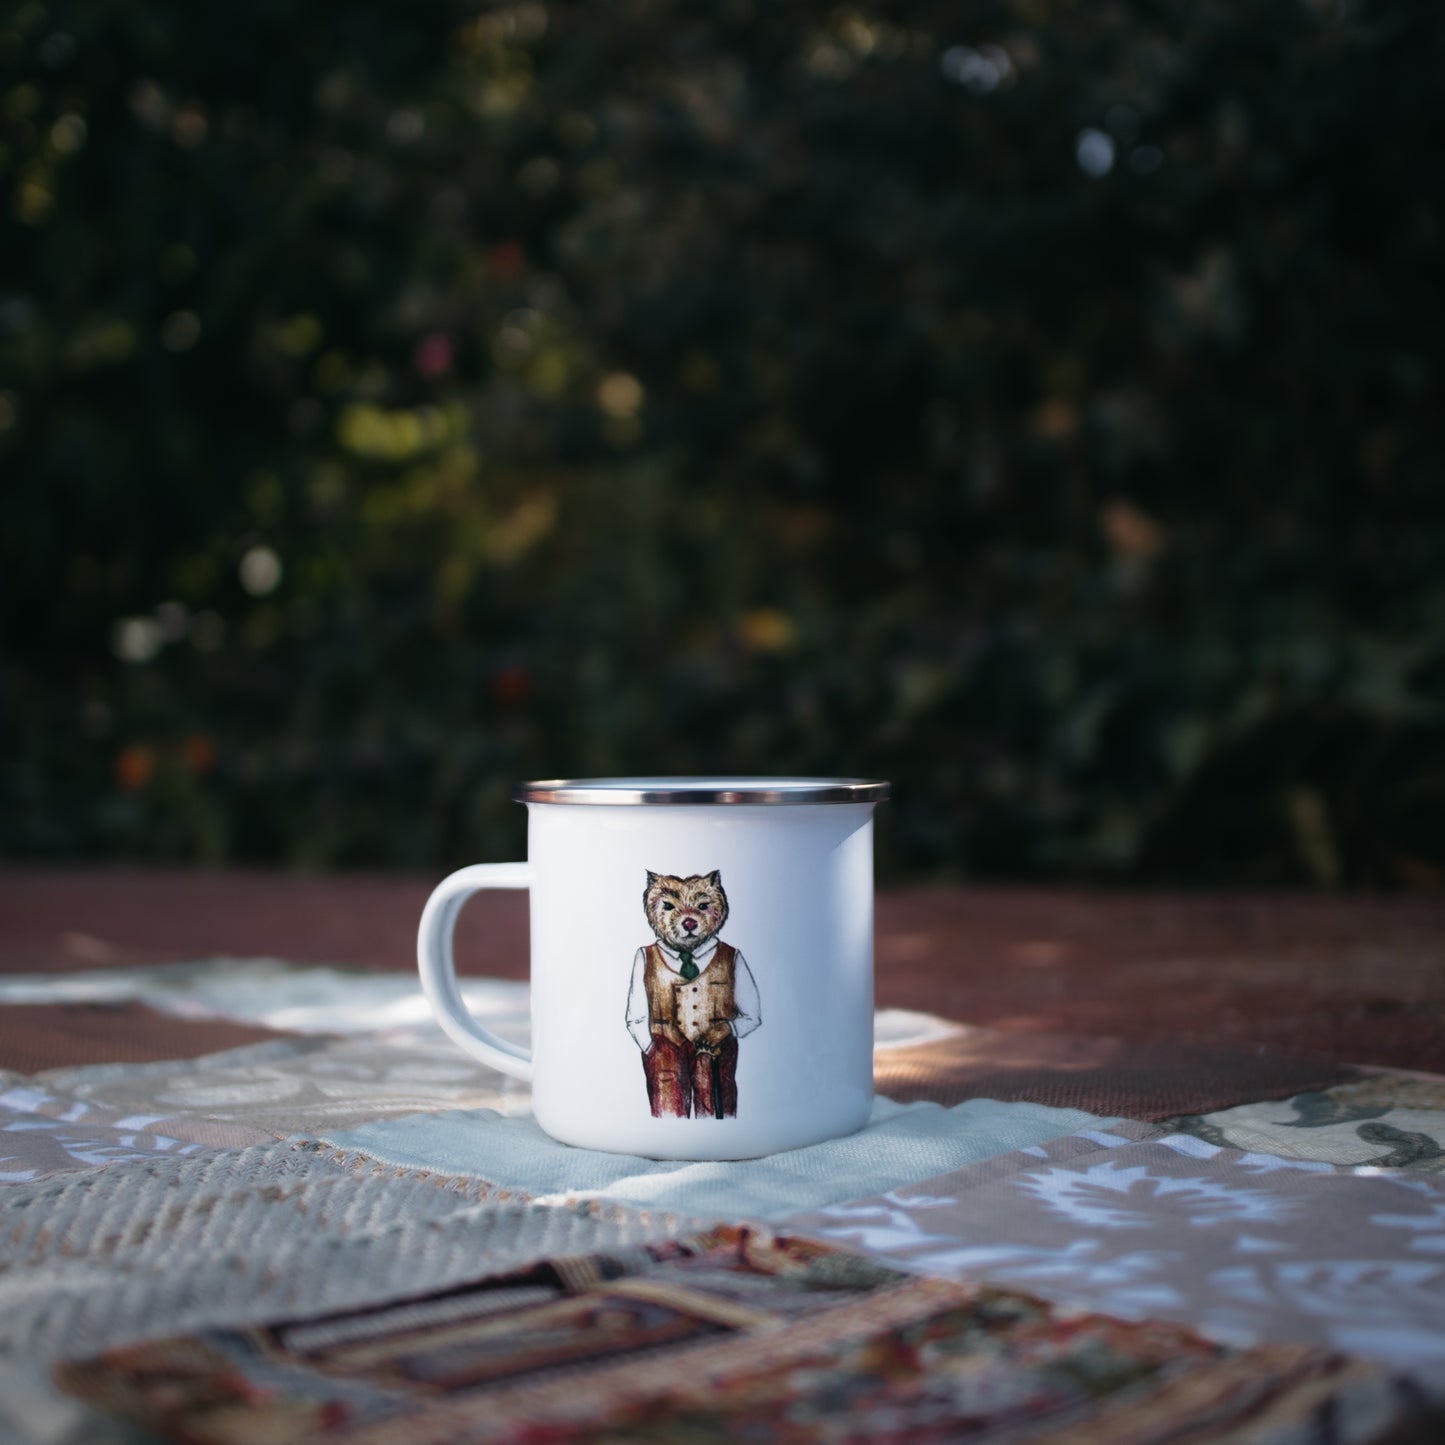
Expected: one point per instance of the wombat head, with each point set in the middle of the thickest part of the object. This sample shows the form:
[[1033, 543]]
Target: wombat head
[[684, 912]]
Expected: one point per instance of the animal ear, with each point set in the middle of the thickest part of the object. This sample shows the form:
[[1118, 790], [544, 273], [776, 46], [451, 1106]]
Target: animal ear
[[651, 877], [715, 878]]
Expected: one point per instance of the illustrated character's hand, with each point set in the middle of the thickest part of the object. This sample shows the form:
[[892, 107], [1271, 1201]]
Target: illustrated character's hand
[[716, 1036], [670, 1032]]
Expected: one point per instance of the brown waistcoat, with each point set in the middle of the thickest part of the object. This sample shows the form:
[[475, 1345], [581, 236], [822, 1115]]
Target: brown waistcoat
[[662, 985]]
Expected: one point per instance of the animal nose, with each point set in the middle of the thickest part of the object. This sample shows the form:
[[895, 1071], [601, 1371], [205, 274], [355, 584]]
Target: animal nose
[[690, 924]]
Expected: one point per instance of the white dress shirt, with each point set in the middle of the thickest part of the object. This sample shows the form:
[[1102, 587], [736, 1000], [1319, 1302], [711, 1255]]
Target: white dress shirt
[[690, 1019]]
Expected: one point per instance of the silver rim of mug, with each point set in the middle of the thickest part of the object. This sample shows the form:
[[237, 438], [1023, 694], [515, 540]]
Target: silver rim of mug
[[701, 791]]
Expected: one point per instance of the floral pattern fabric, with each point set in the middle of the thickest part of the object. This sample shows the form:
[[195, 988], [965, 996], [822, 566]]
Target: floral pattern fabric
[[44, 1132], [1391, 1121], [303, 1086], [1243, 1246]]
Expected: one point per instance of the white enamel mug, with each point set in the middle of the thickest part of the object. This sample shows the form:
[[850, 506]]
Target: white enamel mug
[[702, 962]]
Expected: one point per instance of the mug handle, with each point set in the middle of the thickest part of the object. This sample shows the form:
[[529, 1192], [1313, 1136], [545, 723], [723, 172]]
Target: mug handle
[[439, 971]]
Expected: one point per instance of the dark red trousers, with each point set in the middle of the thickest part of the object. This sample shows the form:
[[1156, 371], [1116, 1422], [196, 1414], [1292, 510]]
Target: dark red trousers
[[680, 1079]]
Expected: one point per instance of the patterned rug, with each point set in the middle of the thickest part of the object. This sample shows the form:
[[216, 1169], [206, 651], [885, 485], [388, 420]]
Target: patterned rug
[[244, 1202]]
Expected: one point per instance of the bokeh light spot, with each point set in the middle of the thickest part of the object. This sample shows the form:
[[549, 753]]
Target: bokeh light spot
[[512, 685], [767, 629], [189, 126], [506, 260], [136, 639], [298, 335], [620, 394], [1130, 532], [198, 752], [1094, 151], [149, 105], [135, 766], [433, 355], [34, 202], [980, 69], [260, 571], [67, 135]]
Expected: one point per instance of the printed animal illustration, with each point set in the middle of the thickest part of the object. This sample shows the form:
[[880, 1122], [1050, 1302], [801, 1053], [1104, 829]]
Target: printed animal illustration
[[692, 998]]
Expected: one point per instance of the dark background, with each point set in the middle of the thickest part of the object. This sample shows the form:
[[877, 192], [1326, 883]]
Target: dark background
[[1035, 404]]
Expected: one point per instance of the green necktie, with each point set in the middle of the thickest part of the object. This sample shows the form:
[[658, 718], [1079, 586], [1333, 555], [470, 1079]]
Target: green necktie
[[689, 969]]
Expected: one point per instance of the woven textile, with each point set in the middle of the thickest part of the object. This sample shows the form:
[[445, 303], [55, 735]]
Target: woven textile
[[733, 1335], [248, 1234]]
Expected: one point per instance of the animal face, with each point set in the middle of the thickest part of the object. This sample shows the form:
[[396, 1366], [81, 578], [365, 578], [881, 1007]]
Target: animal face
[[684, 912]]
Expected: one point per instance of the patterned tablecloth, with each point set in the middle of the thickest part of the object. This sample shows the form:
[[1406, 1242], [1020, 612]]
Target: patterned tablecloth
[[242, 1201]]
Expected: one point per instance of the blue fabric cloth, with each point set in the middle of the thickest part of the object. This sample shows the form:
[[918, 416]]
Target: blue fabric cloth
[[901, 1144]]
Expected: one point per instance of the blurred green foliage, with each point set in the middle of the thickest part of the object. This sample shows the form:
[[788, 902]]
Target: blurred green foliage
[[1035, 403]]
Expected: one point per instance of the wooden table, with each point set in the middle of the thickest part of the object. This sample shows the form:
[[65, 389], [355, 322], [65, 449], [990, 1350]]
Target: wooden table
[[1360, 979]]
